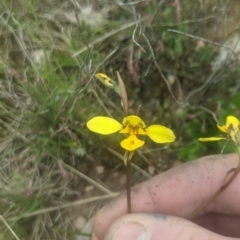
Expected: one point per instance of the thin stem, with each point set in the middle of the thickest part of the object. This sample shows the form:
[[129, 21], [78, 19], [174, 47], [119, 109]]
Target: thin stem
[[220, 190], [128, 174]]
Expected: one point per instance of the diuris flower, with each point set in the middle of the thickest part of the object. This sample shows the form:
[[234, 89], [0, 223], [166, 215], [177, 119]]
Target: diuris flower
[[232, 128], [133, 126]]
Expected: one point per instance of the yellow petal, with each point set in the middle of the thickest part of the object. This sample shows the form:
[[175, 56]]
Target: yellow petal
[[222, 128], [105, 79], [104, 125], [160, 134], [131, 143], [233, 121], [125, 130], [233, 126], [141, 131], [133, 130], [133, 121], [211, 139]]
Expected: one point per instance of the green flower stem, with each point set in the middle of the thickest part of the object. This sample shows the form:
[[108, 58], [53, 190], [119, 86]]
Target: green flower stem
[[235, 172]]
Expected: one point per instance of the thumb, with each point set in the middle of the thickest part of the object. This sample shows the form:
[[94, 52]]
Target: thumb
[[158, 226]]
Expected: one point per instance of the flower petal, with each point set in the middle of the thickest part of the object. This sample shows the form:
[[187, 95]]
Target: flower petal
[[133, 130], [105, 79], [131, 143], [222, 128], [233, 126], [125, 130], [140, 131], [103, 125], [211, 139], [134, 121], [231, 120], [160, 134]]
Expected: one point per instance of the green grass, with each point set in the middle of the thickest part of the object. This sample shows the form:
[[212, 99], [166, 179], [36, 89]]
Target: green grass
[[48, 92]]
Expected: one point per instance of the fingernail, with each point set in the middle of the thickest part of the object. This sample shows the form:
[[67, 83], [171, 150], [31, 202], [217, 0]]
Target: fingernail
[[130, 231]]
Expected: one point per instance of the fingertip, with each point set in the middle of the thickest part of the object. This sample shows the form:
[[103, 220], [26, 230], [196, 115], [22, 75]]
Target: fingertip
[[156, 226], [107, 214], [129, 230]]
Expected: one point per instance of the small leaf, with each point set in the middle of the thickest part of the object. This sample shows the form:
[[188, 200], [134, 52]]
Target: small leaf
[[123, 93]]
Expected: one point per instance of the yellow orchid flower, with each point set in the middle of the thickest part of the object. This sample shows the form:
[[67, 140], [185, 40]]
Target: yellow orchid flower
[[133, 126], [107, 81], [232, 128]]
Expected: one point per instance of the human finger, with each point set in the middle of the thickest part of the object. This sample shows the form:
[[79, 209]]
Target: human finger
[[179, 192], [158, 226]]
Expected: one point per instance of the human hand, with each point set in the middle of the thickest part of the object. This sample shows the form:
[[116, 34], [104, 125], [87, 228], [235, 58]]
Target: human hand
[[162, 205]]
